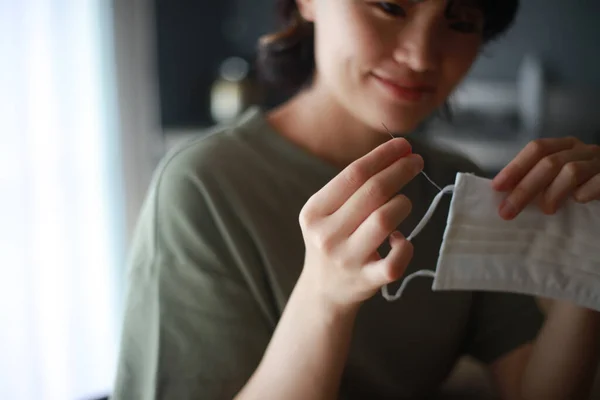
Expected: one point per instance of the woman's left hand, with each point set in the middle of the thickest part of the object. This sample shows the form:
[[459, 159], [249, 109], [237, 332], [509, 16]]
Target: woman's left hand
[[549, 171]]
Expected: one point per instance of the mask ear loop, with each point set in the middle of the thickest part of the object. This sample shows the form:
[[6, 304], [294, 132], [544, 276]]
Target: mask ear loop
[[429, 214], [424, 221]]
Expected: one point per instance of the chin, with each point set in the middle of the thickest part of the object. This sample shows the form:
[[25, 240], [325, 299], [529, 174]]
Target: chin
[[397, 120]]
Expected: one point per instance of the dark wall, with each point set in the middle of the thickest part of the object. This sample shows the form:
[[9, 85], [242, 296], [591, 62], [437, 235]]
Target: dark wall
[[564, 33], [249, 20], [193, 37]]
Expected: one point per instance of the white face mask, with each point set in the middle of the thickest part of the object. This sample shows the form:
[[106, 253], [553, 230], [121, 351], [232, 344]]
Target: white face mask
[[555, 256]]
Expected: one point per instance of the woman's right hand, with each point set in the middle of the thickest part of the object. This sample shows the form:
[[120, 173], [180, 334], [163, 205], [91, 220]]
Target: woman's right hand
[[348, 219]]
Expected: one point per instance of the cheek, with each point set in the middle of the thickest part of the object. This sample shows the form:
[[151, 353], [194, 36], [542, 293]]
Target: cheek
[[347, 41]]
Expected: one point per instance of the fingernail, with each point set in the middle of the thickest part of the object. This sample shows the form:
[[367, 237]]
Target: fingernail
[[396, 235], [507, 210], [558, 205], [583, 197], [550, 207], [418, 160], [499, 183]]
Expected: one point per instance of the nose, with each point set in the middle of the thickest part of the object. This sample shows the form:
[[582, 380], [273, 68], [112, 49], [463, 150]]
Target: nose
[[419, 45]]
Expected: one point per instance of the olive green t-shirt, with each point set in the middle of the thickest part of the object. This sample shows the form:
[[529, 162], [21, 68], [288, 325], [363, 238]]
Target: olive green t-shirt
[[218, 250]]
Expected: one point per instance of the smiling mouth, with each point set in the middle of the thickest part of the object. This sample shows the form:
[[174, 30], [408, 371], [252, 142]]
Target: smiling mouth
[[411, 92]]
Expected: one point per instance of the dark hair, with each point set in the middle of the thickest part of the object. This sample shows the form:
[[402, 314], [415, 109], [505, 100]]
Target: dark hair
[[286, 58]]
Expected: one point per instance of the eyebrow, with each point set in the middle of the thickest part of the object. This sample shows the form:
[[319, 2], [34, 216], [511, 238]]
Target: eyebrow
[[472, 5]]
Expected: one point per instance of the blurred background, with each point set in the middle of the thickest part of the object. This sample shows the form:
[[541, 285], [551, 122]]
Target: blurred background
[[92, 94]]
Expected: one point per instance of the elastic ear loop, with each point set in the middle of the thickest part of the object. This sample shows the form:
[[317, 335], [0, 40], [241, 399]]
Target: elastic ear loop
[[424, 221]]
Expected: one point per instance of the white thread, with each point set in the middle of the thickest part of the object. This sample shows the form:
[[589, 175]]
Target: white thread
[[427, 273], [386, 294], [425, 220]]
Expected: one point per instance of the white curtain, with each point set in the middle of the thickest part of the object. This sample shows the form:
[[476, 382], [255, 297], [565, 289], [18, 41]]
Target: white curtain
[[61, 233]]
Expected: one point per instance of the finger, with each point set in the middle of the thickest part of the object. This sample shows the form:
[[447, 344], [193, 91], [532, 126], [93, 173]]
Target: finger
[[537, 180], [337, 191], [572, 175], [376, 192], [527, 158], [393, 266], [367, 238], [589, 191]]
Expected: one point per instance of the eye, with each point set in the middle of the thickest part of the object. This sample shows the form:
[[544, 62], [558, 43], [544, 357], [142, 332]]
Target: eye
[[390, 9], [464, 19]]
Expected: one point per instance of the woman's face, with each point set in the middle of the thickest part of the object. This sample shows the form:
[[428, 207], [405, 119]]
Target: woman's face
[[393, 62]]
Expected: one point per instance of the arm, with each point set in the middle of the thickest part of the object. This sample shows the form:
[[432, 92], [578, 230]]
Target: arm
[[560, 364], [307, 353]]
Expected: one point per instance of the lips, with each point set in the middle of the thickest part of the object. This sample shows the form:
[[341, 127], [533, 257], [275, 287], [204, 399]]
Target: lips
[[407, 91]]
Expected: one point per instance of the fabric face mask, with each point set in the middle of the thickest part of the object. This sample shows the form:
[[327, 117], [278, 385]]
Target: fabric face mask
[[555, 256]]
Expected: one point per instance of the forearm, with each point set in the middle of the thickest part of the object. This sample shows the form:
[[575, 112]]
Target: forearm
[[565, 356], [307, 353]]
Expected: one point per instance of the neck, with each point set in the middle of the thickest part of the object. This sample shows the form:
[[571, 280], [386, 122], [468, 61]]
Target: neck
[[318, 123]]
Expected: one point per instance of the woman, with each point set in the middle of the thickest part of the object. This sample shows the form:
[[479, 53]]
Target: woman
[[261, 247]]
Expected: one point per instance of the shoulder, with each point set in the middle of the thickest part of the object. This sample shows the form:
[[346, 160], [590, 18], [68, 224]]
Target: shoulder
[[222, 160], [191, 189], [213, 151]]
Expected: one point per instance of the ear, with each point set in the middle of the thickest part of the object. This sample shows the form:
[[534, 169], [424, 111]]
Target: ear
[[307, 9]]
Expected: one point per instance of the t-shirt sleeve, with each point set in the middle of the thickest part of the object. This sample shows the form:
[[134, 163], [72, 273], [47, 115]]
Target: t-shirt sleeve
[[499, 323], [193, 328]]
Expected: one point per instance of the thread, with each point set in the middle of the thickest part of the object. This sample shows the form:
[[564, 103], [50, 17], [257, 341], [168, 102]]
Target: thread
[[422, 223], [432, 207], [422, 172], [422, 273]]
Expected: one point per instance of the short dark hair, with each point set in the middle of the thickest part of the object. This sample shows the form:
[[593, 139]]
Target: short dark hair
[[286, 58]]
